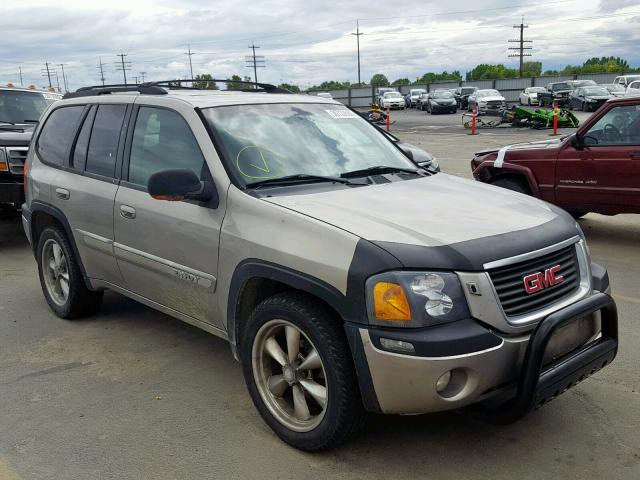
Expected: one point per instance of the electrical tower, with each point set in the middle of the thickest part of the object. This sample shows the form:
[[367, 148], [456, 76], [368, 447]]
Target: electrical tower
[[123, 66], [64, 78], [100, 67], [357, 34], [190, 53], [521, 46], [46, 72], [255, 62]]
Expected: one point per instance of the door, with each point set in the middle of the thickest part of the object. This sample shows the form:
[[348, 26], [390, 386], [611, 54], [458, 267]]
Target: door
[[167, 251], [85, 190], [605, 175]]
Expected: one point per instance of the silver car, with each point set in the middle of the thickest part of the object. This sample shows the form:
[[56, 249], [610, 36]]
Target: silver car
[[293, 228]]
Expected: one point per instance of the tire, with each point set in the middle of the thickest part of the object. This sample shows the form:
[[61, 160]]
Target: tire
[[78, 301], [577, 214], [318, 427], [511, 183]]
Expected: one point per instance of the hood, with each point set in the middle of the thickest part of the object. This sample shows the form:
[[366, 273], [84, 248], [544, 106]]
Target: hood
[[15, 135], [491, 99], [598, 97], [434, 211], [538, 144]]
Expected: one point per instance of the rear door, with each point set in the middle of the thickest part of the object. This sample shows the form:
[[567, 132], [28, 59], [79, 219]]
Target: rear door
[[168, 251], [85, 187], [605, 175]]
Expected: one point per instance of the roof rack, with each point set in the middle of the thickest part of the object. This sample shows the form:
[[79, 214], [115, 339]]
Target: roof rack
[[161, 87]]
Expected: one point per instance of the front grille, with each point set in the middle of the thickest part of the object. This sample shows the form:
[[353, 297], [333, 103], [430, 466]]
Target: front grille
[[16, 157], [494, 103], [509, 282]]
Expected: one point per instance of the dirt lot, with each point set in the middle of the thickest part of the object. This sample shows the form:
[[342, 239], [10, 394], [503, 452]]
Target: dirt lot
[[133, 394]]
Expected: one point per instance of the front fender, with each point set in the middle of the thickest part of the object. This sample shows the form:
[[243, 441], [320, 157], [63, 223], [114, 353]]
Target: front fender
[[486, 172]]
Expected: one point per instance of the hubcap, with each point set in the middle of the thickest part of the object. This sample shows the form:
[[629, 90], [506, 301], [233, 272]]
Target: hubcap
[[55, 270], [290, 375]]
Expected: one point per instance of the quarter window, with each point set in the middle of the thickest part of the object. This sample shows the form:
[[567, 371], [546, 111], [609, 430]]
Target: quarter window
[[162, 140], [105, 136], [57, 134]]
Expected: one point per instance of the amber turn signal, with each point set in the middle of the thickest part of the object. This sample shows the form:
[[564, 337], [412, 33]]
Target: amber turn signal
[[390, 303]]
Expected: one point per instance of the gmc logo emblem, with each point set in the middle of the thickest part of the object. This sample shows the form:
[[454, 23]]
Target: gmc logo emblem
[[540, 280]]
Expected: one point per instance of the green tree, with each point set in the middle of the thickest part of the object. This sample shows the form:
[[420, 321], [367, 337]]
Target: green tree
[[231, 85], [531, 69], [486, 71], [331, 85], [600, 65], [291, 88], [379, 80], [445, 76], [401, 81], [205, 82]]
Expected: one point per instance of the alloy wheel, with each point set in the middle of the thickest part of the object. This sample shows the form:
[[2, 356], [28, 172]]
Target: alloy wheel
[[290, 375], [55, 268]]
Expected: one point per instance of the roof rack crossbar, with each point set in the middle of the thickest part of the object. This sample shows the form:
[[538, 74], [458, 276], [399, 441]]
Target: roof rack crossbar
[[115, 88], [266, 87]]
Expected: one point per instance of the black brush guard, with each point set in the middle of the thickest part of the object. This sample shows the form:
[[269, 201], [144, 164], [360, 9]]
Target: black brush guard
[[538, 385]]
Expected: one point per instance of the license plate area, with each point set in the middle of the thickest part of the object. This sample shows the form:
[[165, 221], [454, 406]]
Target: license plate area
[[572, 336]]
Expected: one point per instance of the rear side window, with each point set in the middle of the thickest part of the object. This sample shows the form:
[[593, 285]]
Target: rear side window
[[105, 136], [162, 140], [57, 134]]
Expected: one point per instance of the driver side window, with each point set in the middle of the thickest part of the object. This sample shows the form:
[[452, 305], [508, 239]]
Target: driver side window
[[619, 126]]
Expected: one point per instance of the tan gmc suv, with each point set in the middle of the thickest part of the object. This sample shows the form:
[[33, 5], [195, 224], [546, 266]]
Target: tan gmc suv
[[345, 277]]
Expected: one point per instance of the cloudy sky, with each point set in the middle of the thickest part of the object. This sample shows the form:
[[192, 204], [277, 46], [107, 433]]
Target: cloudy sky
[[303, 41]]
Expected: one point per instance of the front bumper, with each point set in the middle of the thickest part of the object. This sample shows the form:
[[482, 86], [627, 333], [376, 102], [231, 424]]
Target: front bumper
[[486, 365], [11, 192]]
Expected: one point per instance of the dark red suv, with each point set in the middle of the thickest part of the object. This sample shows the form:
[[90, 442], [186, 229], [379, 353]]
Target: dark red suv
[[597, 169]]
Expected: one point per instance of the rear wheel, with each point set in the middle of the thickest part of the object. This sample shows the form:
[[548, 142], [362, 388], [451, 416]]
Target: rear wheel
[[298, 369], [512, 183], [61, 279]]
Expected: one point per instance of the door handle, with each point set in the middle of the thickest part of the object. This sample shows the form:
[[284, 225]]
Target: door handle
[[127, 212], [63, 193]]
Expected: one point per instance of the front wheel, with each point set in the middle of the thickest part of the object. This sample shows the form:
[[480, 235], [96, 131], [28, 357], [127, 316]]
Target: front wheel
[[298, 369]]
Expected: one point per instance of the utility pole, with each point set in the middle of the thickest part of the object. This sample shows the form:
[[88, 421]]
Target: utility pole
[[64, 78], [521, 48], [20, 71], [142, 75], [255, 62], [190, 53], [47, 72], [99, 67], [57, 80], [123, 66], [357, 34]]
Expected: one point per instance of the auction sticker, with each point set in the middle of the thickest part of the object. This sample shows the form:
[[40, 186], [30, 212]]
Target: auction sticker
[[341, 113]]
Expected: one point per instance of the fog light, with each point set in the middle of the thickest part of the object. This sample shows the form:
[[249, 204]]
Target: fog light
[[443, 382], [397, 345]]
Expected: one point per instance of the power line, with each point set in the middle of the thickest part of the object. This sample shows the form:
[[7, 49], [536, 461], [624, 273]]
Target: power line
[[357, 35], [99, 67], [64, 78], [46, 72], [123, 65], [255, 62], [521, 48]]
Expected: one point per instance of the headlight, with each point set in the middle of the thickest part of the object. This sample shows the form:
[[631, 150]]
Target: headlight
[[4, 167], [415, 299]]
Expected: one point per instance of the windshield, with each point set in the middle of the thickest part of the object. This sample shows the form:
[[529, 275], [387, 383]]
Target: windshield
[[467, 90], [261, 142], [535, 90], [23, 107], [489, 93], [442, 94], [392, 95], [595, 91], [560, 86], [584, 83], [417, 92]]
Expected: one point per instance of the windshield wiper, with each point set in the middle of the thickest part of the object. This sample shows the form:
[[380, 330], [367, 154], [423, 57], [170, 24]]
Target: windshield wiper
[[379, 169], [297, 178]]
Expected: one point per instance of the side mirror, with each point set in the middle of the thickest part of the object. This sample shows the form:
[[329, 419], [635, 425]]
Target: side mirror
[[177, 185], [577, 142], [407, 151]]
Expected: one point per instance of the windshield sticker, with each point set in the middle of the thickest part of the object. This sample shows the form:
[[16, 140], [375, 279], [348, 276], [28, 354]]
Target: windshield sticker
[[254, 162], [341, 113]]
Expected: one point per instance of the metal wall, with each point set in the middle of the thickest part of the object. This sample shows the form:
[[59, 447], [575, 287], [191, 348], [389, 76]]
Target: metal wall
[[509, 87]]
